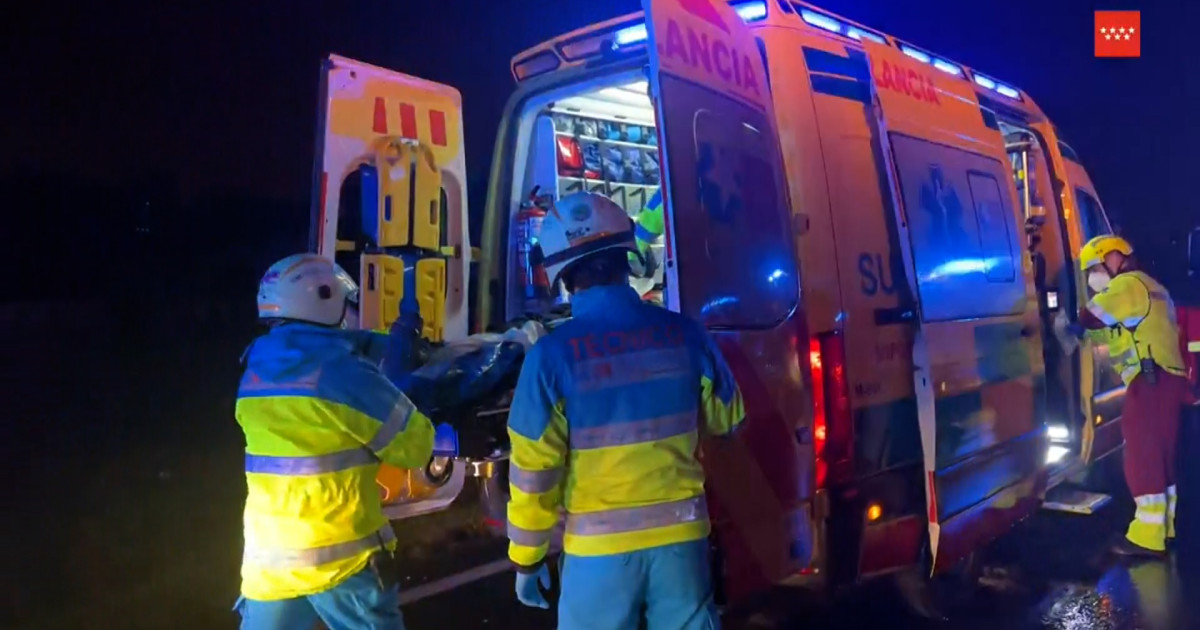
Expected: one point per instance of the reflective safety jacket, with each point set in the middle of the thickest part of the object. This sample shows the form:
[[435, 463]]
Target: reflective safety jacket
[[605, 422], [1140, 305], [318, 418], [650, 223]]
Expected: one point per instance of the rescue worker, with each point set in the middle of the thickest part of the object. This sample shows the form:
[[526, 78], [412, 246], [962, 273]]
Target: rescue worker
[[1144, 345], [648, 228], [319, 417], [605, 422]]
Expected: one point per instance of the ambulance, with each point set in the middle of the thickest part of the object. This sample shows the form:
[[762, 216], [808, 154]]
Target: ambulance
[[878, 237]]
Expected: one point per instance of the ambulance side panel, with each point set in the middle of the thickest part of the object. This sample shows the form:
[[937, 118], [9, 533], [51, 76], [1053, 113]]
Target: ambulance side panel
[[984, 443], [854, 282]]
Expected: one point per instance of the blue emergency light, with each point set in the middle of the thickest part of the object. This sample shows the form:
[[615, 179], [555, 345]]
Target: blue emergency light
[[748, 11], [821, 21], [854, 32]]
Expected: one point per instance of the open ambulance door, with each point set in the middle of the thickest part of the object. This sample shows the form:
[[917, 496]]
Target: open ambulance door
[[1102, 391], [731, 264], [390, 206], [978, 367]]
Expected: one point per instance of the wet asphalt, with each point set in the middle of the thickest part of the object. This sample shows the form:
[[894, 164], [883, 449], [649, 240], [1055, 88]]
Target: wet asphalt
[[1053, 573]]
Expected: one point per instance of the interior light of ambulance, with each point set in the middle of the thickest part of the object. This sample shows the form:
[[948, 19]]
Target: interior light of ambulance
[[947, 67], [751, 11], [1052, 300], [625, 96], [915, 54], [1058, 433], [874, 512], [1055, 454], [854, 32], [985, 82], [1008, 91], [821, 21]]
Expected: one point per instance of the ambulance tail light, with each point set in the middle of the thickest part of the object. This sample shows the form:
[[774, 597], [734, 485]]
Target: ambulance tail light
[[833, 422]]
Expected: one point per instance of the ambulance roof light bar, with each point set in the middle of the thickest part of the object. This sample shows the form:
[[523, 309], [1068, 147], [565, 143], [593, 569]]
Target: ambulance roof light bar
[[834, 25], [998, 87], [853, 32], [751, 11], [822, 21], [919, 55], [948, 67]]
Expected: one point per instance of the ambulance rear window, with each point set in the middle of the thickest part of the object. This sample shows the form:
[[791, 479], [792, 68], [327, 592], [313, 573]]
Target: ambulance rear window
[[1094, 223], [736, 264]]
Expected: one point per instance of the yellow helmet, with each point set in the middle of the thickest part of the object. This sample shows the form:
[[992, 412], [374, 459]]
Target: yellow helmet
[[1095, 250]]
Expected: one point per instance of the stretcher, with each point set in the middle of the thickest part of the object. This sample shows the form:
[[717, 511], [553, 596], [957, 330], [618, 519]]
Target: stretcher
[[402, 218]]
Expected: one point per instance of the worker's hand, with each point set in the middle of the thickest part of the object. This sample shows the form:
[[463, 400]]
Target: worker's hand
[[531, 585], [1067, 332]]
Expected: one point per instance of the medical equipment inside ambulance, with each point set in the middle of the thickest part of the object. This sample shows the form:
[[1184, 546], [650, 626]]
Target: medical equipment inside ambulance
[[600, 140]]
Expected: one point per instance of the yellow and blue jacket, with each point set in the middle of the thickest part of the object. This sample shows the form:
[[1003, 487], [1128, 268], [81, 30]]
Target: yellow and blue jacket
[[605, 423], [318, 419]]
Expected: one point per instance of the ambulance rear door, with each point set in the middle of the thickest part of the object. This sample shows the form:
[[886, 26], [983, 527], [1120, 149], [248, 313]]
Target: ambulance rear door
[[390, 200], [730, 251], [390, 206], [977, 355]]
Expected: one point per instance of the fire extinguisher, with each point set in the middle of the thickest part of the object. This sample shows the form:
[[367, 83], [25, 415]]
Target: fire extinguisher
[[534, 281]]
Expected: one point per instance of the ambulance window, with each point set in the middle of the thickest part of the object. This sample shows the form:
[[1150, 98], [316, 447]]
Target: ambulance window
[[1094, 223], [734, 248], [994, 234], [963, 228]]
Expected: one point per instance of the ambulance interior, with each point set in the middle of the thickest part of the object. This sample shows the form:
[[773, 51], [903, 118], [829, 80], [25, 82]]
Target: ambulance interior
[[598, 138]]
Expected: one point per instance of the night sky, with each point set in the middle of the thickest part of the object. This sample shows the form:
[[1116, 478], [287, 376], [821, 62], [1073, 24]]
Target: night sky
[[222, 94]]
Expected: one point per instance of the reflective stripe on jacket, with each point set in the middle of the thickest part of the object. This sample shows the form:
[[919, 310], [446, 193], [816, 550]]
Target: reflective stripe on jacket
[[1139, 304], [605, 422], [318, 418]]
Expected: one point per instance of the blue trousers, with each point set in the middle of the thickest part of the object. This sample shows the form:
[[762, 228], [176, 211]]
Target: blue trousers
[[356, 604], [671, 586]]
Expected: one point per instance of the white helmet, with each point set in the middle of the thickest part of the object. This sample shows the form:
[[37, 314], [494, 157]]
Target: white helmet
[[306, 288], [580, 225]]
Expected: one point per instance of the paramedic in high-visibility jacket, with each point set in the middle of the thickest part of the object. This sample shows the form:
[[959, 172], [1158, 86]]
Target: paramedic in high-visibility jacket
[[1143, 343], [605, 422], [318, 418]]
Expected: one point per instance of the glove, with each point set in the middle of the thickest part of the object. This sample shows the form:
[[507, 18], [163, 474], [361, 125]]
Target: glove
[[528, 591], [445, 441]]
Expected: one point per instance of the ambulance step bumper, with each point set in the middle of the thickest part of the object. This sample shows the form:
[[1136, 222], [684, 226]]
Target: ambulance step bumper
[[1074, 500]]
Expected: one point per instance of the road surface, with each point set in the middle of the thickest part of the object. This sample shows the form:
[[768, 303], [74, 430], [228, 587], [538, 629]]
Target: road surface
[[1053, 573]]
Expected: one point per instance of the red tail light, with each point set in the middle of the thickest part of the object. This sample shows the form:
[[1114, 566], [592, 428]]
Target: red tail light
[[833, 422]]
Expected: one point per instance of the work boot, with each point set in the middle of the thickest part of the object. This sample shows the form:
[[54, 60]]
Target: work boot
[[1130, 549]]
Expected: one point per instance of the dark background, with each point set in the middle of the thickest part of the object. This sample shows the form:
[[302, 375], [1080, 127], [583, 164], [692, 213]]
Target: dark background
[[157, 156], [207, 110]]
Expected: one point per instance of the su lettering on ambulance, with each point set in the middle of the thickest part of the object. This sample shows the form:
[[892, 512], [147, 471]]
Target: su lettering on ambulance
[[875, 275], [609, 344], [713, 55], [907, 81]]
